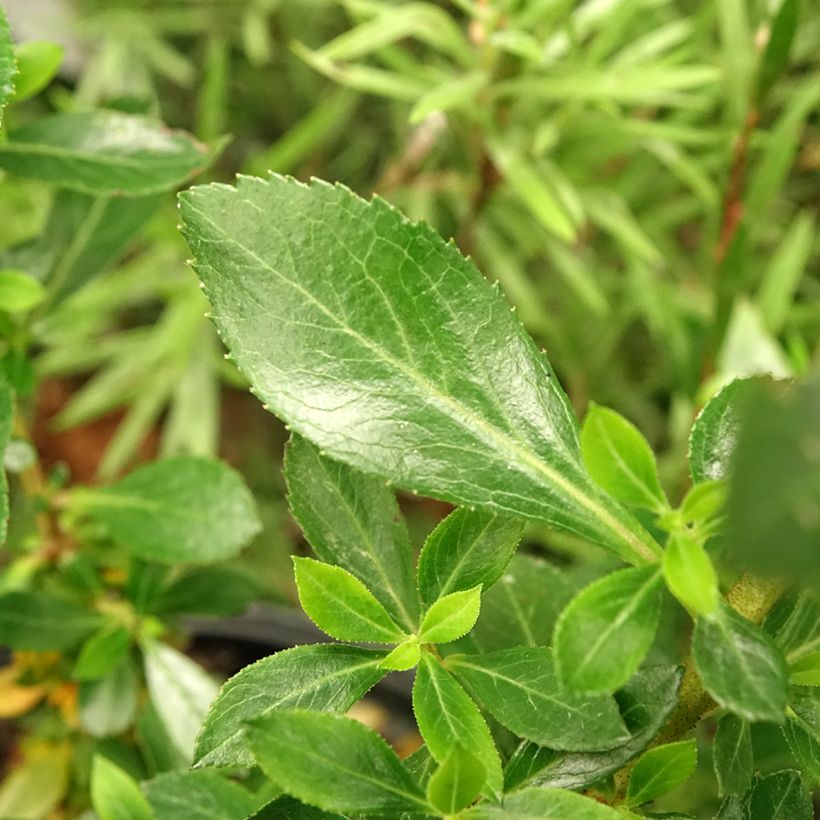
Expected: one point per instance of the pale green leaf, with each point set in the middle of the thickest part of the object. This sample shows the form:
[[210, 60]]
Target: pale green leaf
[[405, 656], [19, 292], [107, 706], [102, 652], [115, 795], [456, 93], [806, 670], [37, 64], [36, 787], [689, 574], [451, 617]]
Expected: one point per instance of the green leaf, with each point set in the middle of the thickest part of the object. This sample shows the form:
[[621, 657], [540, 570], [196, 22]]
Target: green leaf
[[451, 617], [352, 520], [101, 653], [38, 62], [427, 355], [198, 795], [341, 605], [457, 781], [178, 509], [8, 65], [155, 744], [107, 706], [522, 608], [733, 756], [544, 804], [780, 796], [287, 808], [466, 549], [806, 670], [333, 762], [520, 689], [217, 590], [181, 692], [42, 622], [606, 630], [689, 574], [405, 656], [772, 510], [646, 703], [805, 702], [805, 748], [620, 459], [775, 58], [115, 795], [714, 433], [19, 292], [740, 666], [455, 93], [799, 632], [447, 716], [328, 677], [660, 770], [104, 152], [35, 788]]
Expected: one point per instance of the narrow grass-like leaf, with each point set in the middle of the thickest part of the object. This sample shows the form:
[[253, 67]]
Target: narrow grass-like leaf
[[520, 689], [352, 520], [425, 353], [333, 762], [451, 617], [606, 630], [328, 677], [733, 756], [341, 605], [660, 770]]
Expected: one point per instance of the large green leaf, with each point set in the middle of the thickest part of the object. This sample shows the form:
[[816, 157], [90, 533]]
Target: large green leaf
[[8, 65], [104, 152], [379, 342], [660, 770], [740, 666], [198, 795], [115, 795], [733, 755], [42, 622], [645, 703], [468, 548], [178, 509], [323, 676], [520, 689], [544, 804], [446, 716], [780, 796], [333, 762], [352, 520], [607, 629]]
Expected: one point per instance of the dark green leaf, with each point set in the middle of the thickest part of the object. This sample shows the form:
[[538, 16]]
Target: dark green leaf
[[714, 433], [155, 744], [332, 762], [522, 608], [799, 632], [806, 750], [324, 676], [352, 520], [466, 549], [107, 705], [179, 509], [341, 605], [181, 692], [545, 804], [620, 459], [457, 781], [607, 629], [37, 63], [198, 795], [426, 354], [115, 795], [645, 703], [42, 622], [733, 756], [8, 66], [217, 590], [520, 688], [689, 573], [101, 653], [775, 58], [805, 702], [660, 770], [740, 666], [780, 796], [451, 617], [446, 716], [287, 808], [104, 152]]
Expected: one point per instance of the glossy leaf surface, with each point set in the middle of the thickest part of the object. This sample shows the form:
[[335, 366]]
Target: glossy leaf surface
[[660, 770], [606, 630], [321, 677], [352, 520], [451, 617], [333, 762], [520, 688], [382, 344]]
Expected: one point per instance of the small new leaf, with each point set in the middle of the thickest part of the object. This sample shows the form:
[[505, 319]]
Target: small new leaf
[[451, 617], [620, 459], [457, 782], [606, 630], [405, 656], [341, 605], [661, 769], [689, 574]]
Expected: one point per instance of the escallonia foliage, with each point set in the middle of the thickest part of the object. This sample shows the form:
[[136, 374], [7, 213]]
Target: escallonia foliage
[[397, 365]]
